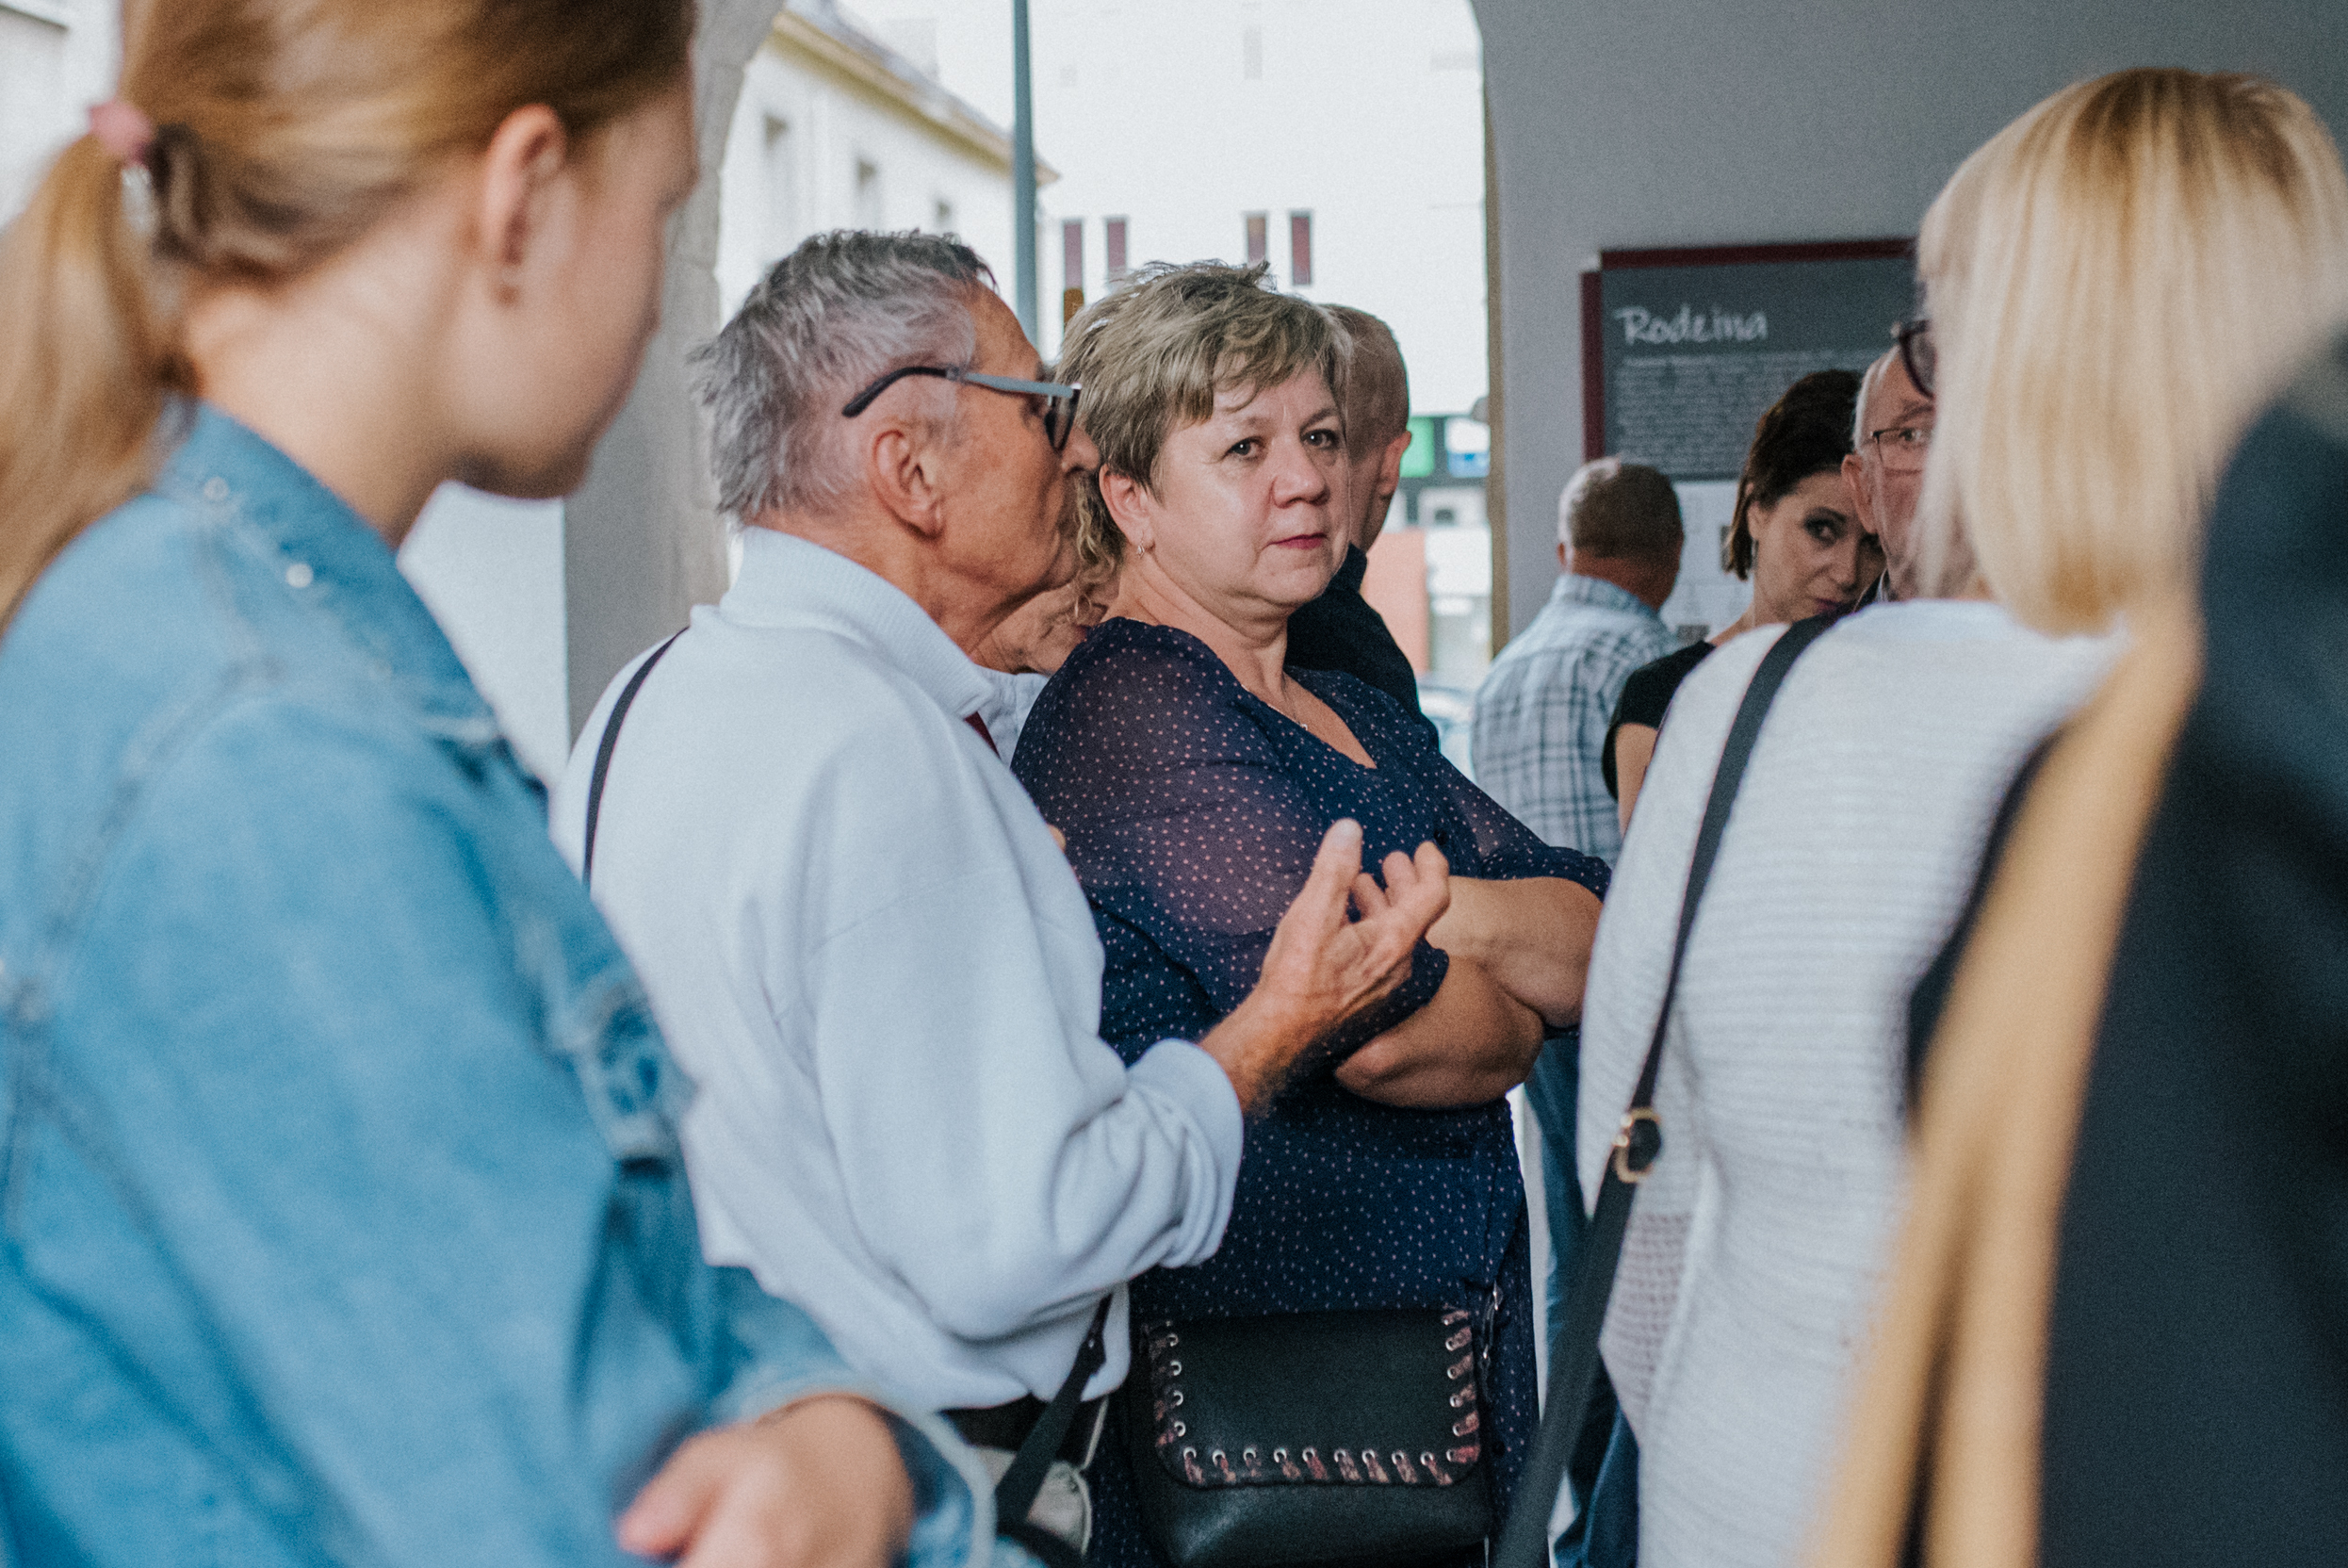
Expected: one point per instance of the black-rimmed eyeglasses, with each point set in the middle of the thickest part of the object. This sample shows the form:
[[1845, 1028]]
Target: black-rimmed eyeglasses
[[1916, 354], [1901, 449], [1059, 401]]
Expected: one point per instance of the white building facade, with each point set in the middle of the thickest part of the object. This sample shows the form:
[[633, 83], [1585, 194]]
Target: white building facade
[[840, 127]]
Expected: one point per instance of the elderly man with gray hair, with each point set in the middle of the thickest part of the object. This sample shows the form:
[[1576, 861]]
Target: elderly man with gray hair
[[1891, 439], [860, 938]]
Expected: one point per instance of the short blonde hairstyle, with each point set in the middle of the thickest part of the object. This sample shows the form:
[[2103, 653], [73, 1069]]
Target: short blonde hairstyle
[[2118, 281], [1153, 356]]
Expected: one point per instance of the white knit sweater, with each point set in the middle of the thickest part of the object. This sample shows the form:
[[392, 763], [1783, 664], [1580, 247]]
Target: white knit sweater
[[1758, 1239]]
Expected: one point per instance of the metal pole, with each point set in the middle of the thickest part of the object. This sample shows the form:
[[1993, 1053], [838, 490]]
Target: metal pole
[[1022, 176]]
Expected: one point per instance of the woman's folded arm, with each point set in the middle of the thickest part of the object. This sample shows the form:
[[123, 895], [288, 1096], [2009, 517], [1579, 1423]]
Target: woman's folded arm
[[1532, 934], [1472, 1042]]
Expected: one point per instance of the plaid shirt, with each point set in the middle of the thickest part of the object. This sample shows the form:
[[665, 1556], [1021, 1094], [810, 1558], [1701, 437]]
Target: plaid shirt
[[1540, 715]]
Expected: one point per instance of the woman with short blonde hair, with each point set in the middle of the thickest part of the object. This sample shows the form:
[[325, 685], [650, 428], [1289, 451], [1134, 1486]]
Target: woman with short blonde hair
[[2105, 278], [1191, 773]]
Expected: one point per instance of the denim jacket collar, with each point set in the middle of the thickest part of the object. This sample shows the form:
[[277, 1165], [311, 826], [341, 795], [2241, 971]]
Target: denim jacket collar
[[330, 559]]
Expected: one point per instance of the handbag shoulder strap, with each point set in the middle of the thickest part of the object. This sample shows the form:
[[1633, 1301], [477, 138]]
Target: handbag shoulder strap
[[603, 755], [1573, 1363], [1016, 1492]]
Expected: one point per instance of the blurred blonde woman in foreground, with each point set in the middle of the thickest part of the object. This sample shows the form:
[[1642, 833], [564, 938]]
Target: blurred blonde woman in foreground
[[2115, 282], [2114, 1332], [346, 1219]]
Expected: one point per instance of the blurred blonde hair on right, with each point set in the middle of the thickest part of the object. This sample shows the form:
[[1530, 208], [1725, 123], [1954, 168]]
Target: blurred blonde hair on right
[[2117, 281]]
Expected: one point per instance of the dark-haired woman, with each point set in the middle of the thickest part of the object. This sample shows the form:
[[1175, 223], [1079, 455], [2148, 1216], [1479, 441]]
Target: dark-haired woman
[[345, 1220], [1796, 535]]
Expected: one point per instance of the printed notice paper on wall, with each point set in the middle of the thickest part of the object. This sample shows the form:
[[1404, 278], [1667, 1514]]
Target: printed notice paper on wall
[[1683, 350]]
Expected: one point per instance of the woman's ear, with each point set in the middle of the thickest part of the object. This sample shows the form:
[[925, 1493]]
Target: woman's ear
[[1130, 507], [526, 155]]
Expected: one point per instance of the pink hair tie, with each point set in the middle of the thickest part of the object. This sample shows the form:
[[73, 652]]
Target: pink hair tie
[[121, 130]]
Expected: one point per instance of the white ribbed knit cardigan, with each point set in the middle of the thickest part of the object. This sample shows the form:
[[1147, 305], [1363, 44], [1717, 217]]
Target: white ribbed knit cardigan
[[1758, 1239]]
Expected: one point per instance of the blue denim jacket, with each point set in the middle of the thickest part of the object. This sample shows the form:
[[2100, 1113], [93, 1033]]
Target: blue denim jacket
[[341, 1213]]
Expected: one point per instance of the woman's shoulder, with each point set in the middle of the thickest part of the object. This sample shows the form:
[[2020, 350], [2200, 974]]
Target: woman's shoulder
[[1362, 704], [1648, 691], [1940, 670], [145, 635], [1132, 689], [1925, 635], [1123, 648], [1125, 668]]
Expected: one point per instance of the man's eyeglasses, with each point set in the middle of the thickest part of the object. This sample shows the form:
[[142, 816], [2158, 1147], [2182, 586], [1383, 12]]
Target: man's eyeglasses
[[1901, 449], [1916, 354], [1059, 401]]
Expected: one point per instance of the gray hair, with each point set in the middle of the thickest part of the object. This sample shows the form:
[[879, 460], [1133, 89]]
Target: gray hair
[[1868, 383], [826, 321]]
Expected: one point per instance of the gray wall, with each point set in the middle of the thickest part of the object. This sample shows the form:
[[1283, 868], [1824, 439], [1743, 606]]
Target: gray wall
[[1710, 121], [642, 543]]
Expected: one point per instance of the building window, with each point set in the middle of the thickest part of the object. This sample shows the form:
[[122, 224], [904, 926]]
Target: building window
[[1112, 249], [1300, 249], [870, 213], [1257, 248], [1251, 54]]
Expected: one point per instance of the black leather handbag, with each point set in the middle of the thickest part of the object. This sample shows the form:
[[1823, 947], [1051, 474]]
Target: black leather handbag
[[1328, 1437]]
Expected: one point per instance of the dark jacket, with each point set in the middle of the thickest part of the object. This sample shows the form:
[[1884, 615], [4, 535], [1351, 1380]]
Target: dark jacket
[[1340, 632]]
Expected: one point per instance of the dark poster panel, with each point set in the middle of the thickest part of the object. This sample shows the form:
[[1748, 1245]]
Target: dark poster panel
[[1683, 350]]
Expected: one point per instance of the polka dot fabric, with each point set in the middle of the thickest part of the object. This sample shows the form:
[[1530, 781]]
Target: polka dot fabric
[[1192, 810]]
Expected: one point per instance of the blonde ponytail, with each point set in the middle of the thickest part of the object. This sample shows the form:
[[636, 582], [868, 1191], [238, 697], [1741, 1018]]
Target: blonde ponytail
[[87, 362], [282, 132]]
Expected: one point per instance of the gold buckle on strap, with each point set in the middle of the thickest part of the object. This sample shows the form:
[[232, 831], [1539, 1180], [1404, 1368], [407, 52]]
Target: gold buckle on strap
[[1635, 1153]]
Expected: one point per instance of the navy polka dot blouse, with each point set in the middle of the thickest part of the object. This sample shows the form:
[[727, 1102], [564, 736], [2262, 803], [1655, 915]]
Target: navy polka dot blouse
[[1192, 810]]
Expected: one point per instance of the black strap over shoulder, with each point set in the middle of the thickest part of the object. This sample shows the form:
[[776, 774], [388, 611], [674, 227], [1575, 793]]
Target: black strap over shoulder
[[1573, 1367], [603, 755], [1016, 1492]]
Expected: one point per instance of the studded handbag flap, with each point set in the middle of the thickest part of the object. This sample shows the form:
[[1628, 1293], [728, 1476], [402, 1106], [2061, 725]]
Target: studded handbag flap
[[1349, 1437]]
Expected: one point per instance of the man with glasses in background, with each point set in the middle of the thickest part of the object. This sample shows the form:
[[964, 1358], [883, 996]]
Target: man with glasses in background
[[1892, 436], [861, 940]]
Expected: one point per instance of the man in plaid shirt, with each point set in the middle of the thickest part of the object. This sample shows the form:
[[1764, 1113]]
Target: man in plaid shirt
[[1541, 713]]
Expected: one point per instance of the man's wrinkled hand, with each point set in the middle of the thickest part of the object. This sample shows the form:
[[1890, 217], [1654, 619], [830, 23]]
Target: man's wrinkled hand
[[817, 1482], [1338, 966], [1323, 966]]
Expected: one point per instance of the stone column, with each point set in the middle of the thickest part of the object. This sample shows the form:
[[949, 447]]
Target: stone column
[[643, 542]]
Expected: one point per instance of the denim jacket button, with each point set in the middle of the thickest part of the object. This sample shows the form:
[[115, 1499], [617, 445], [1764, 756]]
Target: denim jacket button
[[216, 489], [299, 574]]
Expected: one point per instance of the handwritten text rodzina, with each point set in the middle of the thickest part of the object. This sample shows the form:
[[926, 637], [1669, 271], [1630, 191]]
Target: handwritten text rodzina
[[1721, 326]]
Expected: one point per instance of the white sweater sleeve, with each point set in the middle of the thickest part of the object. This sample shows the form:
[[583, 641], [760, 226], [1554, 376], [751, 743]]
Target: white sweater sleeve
[[994, 1155]]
